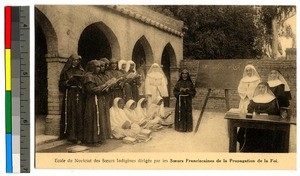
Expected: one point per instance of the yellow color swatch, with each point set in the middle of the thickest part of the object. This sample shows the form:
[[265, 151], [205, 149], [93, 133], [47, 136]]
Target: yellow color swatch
[[8, 69]]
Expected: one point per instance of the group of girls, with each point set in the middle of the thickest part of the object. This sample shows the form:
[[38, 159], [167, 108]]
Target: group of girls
[[128, 119], [262, 98]]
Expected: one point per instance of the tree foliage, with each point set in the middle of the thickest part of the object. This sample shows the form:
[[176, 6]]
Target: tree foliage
[[278, 13], [217, 32], [271, 19]]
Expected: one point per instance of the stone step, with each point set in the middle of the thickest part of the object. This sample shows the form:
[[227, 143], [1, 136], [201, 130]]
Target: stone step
[[44, 142]]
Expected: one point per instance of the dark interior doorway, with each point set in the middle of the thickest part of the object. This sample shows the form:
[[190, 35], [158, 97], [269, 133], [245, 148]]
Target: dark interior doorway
[[138, 54], [168, 56], [93, 44], [41, 83]]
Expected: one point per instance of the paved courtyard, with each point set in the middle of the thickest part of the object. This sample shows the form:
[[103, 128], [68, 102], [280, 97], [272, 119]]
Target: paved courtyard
[[212, 136]]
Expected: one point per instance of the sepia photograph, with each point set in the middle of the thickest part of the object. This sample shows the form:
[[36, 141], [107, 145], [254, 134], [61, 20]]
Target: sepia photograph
[[196, 85]]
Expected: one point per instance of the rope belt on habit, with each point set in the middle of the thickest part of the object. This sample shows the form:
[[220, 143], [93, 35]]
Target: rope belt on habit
[[180, 105], [66, 112], [98, 124]]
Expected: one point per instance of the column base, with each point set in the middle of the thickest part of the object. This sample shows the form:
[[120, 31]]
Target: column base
[[52, 125]]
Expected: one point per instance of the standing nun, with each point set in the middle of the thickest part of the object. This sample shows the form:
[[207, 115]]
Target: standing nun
[[156, 84], [134, 81], [247, 86], [122, 66], [103, 103], [92, 87], [71, 84], [127, 94], [106, 61], [280, 88], [184, 91], [113, 72]]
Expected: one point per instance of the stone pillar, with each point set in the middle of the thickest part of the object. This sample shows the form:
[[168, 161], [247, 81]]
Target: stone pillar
[[54, 66], [174, 75]]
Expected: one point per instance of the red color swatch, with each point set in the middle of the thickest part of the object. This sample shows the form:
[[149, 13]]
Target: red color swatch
[[8, 16]]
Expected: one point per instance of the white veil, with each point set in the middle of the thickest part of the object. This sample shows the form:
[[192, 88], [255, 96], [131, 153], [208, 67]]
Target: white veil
[[279, 80], [140, 111], [120, 63], [131, 114], [254, 77], [128, 63], [266, 97], [155, 72], [117, 115]]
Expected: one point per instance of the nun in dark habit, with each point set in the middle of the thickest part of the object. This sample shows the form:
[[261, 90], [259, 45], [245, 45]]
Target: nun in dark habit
[[184, 91], [70, 84], [261, 140], [103, 102], [134, 81], [280, 88], [93, 116], [113, 72]]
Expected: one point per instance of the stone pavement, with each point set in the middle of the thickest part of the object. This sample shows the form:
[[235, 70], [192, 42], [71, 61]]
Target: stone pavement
[[212, 136]]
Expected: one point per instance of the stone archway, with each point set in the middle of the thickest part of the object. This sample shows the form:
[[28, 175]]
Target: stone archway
[[142, 56], [142, 52], [168, 60], [45, 46], [97, 40], [48, 30], [46, 55]]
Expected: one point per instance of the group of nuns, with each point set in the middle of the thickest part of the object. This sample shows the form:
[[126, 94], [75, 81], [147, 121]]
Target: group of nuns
[[111, 99], [262, 98]]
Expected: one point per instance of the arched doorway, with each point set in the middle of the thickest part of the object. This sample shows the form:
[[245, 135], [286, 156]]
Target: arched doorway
[[168, 59], [142, 52], [46, 45], [97, 41], [41, 95], [138, 54], [142, 56]]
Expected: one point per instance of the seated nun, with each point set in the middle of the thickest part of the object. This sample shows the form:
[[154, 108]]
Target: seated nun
[[261, 140], [131, 114], [155, 110], [141, 111], [121, 126]]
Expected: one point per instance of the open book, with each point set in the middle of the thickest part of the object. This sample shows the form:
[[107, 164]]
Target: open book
[[234, 111]]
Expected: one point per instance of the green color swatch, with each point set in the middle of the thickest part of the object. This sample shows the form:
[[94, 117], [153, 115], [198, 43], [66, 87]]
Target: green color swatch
[[8, 113]]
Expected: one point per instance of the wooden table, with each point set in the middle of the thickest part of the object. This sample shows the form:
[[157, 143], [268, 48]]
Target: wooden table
[[270, 122]]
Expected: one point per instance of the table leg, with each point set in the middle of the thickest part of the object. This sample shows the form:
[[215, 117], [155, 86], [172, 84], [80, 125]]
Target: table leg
[[228, 128], [286, 139], [232, 137]]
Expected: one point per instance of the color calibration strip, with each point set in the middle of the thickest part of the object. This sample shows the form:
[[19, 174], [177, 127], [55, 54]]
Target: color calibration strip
[[8, 105], [17, 89]]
